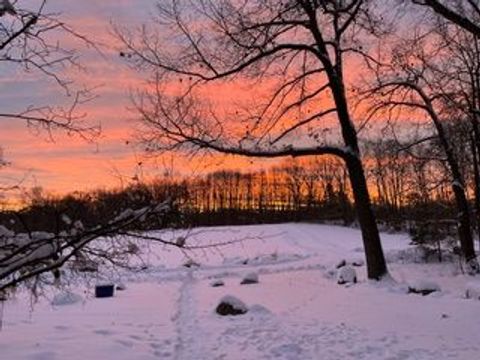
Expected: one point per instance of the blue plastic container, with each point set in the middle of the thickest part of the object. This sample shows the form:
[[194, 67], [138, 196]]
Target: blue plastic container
[[104, 291]]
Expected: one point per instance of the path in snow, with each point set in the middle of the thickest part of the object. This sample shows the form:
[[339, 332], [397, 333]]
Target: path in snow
[[185, 319]]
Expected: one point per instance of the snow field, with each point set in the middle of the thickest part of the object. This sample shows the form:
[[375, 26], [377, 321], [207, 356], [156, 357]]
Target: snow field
[[296, 311]]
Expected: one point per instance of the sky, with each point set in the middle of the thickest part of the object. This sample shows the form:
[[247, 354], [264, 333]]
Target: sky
[[64, 163], [61, 163]]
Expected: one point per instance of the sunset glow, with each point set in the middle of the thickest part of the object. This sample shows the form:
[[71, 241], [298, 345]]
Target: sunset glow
[[61, 163]]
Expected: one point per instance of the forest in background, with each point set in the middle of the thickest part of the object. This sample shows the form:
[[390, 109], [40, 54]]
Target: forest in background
[[409, 189]]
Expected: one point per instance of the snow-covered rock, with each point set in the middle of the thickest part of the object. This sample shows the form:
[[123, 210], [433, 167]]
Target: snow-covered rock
[[343, 262], [423, 287], [121, 287], [472, 290], [358, 263], [217, 283], [66, 298], [346, 275], [250, 278], [190, 263], [259, 309], [230, 305]]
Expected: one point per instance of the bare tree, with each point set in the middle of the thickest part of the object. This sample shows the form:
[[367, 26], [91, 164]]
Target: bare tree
[[418, 79], [295, 50], [29, 257], [463, 13], [389, 169], [29, 40], [464, 104]]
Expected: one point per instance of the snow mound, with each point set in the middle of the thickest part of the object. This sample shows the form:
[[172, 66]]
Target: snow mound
[[423, 287], [250, 278], [472, 290], [346, 275], [259, 309], [230, 305], [66, 298]]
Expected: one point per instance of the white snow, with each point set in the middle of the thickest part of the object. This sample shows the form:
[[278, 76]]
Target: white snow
[[299, 311]]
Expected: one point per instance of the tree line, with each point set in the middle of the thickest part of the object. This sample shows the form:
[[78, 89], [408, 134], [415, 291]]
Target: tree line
[[406, 189]]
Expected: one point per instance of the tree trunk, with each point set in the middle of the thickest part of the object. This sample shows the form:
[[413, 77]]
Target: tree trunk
[[476, 173], [458, 188], [376, 265], [375, 259], [464, 223]]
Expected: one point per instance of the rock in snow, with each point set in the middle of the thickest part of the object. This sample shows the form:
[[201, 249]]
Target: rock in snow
[[358, 263], [121, 287], [346, 275], [423, 287], [473, 290], [217, 283], [230, 305], [250, 278], [66, 298], [190, 263]]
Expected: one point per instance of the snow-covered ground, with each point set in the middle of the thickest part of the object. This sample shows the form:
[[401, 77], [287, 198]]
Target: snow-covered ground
[[297, 310]]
